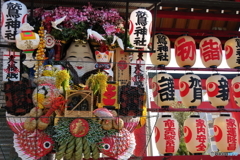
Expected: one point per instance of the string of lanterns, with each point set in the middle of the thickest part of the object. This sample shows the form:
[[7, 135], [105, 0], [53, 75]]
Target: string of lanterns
[[185, 51], [167, 128], [195, 128], [195, 134]]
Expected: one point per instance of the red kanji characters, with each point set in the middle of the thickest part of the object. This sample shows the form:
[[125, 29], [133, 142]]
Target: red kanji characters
[[169, 135], [201, 137], [231, 134], [185, 49], [109, 94], [211, 50]]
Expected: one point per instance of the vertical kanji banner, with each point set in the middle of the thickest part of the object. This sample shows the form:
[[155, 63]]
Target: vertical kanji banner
[[11, 65]]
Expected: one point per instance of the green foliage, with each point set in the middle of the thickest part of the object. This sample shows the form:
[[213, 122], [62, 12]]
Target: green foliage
[[62, 133], [181, 117], [79, 31], [96, 133]]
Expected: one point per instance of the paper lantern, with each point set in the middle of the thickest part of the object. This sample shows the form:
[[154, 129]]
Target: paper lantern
[[163, 89], [232, 49], [185, 51], [195, 134], [236, 89], [190, 90], [14, 14], [167, 135], [211, 52], [217, 90], [140, 28], [162, 56], [226, 133]]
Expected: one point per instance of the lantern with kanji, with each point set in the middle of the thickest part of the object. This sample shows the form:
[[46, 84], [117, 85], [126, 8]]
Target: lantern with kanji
[[140, 28], [167, 135], [195, 134], [217, 90], [232, 49], [190, 90], [185, 51], [14, 14], [211, 52], [163, 89], [226, 133], [236, 89], [162, 56]]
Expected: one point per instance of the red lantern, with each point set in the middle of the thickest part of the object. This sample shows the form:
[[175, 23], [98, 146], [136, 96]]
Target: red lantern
[[185, 51], [226, 133], [195, 134], [14, 14], [232, 49], [167, 135], [236, 89], [211, 52], [190, 90], [217, 90], [163, 89], [162, 56], [140, 28]]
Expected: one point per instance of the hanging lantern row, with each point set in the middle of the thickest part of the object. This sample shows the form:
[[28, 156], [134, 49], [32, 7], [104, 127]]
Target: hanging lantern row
[[195, 134], [191, 90], [185, 51]]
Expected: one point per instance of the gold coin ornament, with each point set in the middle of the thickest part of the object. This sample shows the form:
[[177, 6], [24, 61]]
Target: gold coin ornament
[[79, 127]]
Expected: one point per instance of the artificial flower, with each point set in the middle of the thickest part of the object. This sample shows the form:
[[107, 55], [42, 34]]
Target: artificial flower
[[77, 21]]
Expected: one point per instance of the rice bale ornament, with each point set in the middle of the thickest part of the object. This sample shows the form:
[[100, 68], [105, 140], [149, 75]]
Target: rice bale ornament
[[30, 145], [119, 146], [118, 123], [30, 124], [107, 124], [35, 112]]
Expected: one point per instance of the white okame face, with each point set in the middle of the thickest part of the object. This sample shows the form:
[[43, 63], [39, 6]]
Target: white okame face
[[80, 57]]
